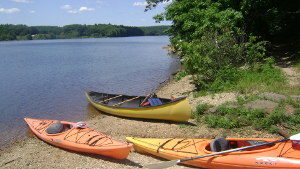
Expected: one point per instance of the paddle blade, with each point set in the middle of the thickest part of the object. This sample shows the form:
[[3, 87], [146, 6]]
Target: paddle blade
[[165, 164]]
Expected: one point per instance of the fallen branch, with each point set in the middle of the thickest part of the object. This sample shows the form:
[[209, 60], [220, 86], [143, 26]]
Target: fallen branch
[[282, 132], [10, 161]]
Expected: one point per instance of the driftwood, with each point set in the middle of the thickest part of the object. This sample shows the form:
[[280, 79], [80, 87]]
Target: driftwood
[[288, 127], [10, 161], [282, 132]]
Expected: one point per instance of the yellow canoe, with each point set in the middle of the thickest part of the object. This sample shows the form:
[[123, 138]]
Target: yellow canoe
[[136, 106]]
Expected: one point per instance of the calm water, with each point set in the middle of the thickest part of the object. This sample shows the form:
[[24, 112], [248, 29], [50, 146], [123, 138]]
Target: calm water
[[47, 78]]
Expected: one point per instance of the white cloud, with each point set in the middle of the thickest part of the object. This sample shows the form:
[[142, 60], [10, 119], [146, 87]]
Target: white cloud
[[97, 3], [32, 11], [21, 1], [9, 11], [73, 11], [83, 8], [139, 3], [144, 4], [66, 7]]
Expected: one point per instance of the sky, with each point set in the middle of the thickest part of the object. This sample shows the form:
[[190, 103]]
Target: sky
[[65, 12]]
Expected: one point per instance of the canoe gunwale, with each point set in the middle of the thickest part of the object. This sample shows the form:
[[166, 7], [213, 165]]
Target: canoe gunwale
[[179, 99]]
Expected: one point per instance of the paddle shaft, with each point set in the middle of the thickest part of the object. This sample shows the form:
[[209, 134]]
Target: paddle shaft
[[147, 97], [233, 150], [110, 99], [127, 100]]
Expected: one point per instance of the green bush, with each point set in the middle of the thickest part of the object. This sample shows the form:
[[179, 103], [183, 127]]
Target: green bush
[[215, 60], [180, 75], [200, 110]]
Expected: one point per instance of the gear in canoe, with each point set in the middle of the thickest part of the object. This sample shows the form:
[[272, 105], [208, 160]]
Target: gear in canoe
[[231, 153], [147, 107], [78, 137]]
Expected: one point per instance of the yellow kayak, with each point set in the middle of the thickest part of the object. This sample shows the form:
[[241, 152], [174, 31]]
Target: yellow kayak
[[281, 155], [147, 107]]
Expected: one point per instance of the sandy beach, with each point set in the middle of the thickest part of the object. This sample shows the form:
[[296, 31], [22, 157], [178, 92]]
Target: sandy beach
[[35, 153]]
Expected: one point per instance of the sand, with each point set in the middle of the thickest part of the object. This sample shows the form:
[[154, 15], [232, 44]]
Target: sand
[[34, 153]]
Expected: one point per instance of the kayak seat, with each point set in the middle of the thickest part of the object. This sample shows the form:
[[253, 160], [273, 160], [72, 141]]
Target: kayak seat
[[154, 101], [219, 144], [55, 128]]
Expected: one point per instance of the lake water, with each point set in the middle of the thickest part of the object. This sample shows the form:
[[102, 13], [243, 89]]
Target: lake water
[[47, 78]]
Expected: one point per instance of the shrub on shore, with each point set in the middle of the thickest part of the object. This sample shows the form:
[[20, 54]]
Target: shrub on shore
[[237, 117]]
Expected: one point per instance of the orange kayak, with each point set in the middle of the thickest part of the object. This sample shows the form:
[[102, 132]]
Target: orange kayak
[[78, 139], [279, 155]]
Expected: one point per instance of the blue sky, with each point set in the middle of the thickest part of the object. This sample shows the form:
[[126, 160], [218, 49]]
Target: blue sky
[[64, 12]]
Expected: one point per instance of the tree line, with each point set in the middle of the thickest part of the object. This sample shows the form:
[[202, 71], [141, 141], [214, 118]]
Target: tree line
[[24, 32]]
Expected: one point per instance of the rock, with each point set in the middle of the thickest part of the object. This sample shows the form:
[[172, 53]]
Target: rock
[[273, 96], [211, 110], [289, 109], [295, 97], [233, 106], [266, 105]]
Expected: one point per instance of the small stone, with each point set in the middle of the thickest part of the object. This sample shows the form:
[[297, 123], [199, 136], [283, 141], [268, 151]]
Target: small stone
[[273, 96], [289, 109], [211, 110], [296, 97], [233, 106]]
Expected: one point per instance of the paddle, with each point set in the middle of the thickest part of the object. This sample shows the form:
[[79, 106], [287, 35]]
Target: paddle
[[147, 97], [174, 162]]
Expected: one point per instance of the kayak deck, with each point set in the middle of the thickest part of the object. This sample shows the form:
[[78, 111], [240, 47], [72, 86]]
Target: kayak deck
[[79, 139], [279, 155]]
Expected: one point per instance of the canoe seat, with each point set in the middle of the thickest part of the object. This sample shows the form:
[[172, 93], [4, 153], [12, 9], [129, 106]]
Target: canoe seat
[[154, 101], [55, 128], [219, 144]]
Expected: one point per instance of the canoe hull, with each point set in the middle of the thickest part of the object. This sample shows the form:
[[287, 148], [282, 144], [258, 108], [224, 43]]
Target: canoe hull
[[80, 140], [279, 156], [174, 111]]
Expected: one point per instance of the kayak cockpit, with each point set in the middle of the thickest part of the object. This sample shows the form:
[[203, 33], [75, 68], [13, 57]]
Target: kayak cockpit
[[222, 144], [58, 127]]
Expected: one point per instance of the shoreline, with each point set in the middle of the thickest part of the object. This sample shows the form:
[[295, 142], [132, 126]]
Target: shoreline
[[32, 152]]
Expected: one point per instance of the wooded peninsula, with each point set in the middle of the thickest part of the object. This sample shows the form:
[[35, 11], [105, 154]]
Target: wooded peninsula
[[24, 32]]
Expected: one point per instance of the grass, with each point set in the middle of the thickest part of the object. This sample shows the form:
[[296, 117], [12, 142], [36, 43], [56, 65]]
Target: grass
[[230, 118], [246, 99], [267, 78], [290, 101], [200, 110], [262, 78], [183, 125]]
